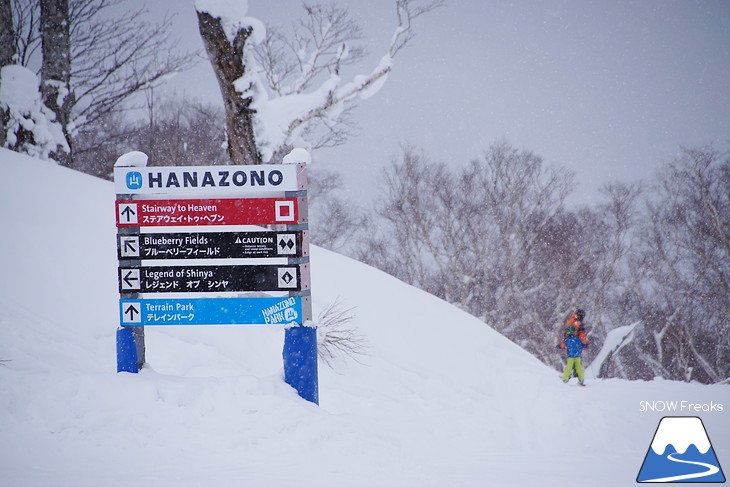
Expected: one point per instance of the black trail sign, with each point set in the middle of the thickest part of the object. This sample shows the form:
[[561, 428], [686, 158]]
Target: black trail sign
[[197, 279], [213, 245]]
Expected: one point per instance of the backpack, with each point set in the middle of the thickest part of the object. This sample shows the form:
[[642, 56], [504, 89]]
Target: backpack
[[577, 328]]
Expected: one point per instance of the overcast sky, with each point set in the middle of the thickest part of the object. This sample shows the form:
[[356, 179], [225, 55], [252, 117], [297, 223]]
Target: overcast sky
[[610, 89]]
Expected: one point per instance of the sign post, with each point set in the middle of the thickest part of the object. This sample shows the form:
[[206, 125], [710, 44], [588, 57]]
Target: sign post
[[127, 360], [300, 361], [229, 247]]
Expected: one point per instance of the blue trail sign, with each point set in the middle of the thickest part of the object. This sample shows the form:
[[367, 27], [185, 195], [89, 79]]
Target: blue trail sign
[[211, 311]]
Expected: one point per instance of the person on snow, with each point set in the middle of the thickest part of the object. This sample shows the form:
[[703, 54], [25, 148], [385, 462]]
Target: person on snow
[[576, 320], [573, 345]]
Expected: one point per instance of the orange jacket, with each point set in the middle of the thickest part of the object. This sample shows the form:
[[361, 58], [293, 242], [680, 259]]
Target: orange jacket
[[580, 330]]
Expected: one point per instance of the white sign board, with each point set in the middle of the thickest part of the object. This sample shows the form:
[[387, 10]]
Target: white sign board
[[233, 180]]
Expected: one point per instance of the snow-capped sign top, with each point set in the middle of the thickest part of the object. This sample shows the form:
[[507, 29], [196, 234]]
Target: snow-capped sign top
[[233, 17], [680, 432], [132, 159], [297, 155]]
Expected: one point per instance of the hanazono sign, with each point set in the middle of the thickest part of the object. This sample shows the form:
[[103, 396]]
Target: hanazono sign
[[221, 179]]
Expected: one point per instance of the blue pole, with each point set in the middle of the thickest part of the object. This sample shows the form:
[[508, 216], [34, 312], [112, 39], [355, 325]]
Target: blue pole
[[300, 361], [126, 351]]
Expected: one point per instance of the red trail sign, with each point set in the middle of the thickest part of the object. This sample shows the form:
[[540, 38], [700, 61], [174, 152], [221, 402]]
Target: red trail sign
[[226, 211]]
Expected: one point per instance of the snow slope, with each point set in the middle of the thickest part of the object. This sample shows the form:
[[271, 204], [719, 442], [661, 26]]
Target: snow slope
[[439, 399]]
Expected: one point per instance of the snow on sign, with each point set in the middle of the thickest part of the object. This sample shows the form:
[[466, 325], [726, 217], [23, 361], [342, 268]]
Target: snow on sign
[[203, 212], [232, 180], [219, 311]]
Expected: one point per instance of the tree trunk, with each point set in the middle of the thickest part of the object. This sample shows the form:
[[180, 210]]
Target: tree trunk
[[7, 51], [7, 34], [56, 69], [229, 65]]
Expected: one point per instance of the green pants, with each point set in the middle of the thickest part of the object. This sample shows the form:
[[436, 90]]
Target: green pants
[[573, 362]]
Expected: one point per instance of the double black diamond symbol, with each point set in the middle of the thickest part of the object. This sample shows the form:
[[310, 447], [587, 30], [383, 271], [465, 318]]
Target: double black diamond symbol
[[286, 244]]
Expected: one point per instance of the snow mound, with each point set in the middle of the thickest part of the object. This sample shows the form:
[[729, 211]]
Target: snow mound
[[438, 399]]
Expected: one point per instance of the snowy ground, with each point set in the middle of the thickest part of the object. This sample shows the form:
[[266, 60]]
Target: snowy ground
[[440, 398]]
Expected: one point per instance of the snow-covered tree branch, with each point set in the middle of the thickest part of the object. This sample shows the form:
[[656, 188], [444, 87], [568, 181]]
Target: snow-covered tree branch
[[268, 84], [28, 125]]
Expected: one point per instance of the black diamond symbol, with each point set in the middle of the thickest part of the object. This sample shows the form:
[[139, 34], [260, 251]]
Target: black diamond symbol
[[287, 278], [286, 243]]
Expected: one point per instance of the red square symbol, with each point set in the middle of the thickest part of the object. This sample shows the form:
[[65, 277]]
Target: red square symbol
[[285, 211]]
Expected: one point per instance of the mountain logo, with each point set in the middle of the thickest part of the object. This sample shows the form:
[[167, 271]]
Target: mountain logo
[[680, 452], [134, 180]]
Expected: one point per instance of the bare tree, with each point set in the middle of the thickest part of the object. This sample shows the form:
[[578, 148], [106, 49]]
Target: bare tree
[[56, 70], [180, 132], [177, 130], [7, 55], [7, 34], [104, 141], [411, 205], [320, 46], [685, 261], [496, 239], [335, 224], [292, 63], [115, 58], [612, 233], [293, 60], [111, 57], [26, 30]]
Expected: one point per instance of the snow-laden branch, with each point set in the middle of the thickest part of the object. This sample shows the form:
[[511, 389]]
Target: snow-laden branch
[[29, 125], [616, 339], [281, 121], [270, 106]]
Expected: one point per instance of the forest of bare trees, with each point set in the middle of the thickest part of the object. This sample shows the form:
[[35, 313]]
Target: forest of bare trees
[[496, 237]]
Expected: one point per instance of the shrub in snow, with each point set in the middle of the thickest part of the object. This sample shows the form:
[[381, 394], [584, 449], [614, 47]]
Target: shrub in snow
[[336, 335], [28, 125]]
